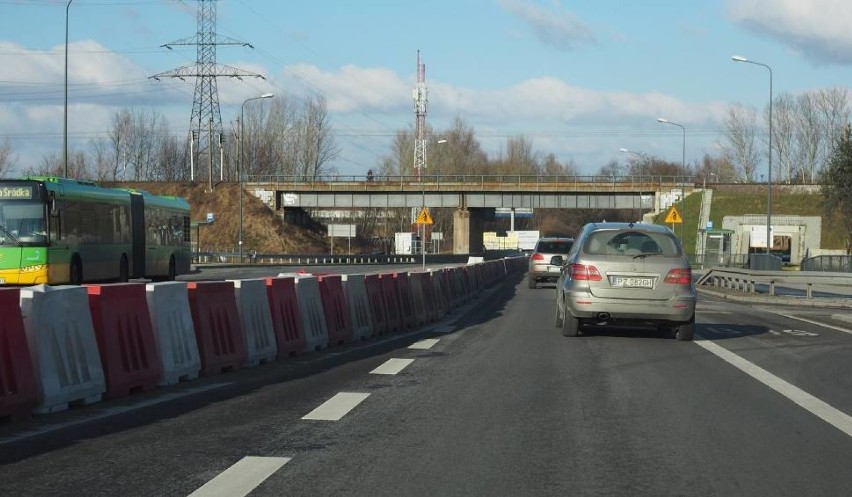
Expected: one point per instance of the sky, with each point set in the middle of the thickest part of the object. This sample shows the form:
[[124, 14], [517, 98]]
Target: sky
[[580, 79]]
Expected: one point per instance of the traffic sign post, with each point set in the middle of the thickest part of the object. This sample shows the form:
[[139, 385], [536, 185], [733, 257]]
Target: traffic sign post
[[422, 220], [674, 217]]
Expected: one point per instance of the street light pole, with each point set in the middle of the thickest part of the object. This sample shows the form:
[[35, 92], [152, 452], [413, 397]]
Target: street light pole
[[240, 167], [740, 58], [682, 166], [65, 118]]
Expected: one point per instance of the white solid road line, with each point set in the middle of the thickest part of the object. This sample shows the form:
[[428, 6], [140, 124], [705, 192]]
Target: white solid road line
[[336, 407], [824, 325], [241, 478], [392, 366], [424, 344], [827, 413]]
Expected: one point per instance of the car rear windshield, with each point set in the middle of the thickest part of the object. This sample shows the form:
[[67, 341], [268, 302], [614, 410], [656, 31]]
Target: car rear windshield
[[555, 247], [611, 242]]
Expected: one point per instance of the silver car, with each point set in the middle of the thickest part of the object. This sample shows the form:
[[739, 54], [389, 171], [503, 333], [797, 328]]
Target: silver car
[[626, 274], [540, 268]]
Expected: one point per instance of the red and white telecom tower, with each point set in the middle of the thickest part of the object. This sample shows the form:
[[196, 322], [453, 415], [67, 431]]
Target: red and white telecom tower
[[421, 100]]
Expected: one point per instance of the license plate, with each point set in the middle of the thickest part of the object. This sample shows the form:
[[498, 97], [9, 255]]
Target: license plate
[[553, 269], [631, 282], [2, 281]]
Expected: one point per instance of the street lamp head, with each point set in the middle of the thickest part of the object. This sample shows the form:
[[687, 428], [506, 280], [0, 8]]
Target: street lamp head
[[624, 150], [739, 58], [267, 95], [662, 120], [442, 141]]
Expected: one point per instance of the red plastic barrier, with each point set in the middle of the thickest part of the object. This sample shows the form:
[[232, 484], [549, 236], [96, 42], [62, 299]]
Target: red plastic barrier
[[217, 325], [125, 336], [430, 305], [18, 388], [378, 308], [336, 309], [406, 300], [286, 320], [394, 318], [434, 301]]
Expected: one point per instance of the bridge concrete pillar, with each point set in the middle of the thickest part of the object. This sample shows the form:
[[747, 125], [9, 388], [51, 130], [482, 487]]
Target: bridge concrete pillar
[[467, 231]]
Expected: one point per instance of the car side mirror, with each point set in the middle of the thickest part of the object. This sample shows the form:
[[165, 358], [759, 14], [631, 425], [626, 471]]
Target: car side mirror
[[557, 260]]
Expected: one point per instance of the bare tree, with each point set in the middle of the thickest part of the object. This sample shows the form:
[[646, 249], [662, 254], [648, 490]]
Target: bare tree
[[551, 166], [316, 147], [741, 134], [834, 111], [521, 157], [7, 160], [785, 134], [52, 165], [809, 137]]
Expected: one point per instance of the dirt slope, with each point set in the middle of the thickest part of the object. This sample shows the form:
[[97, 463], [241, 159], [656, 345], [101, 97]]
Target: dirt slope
[[262, 229]]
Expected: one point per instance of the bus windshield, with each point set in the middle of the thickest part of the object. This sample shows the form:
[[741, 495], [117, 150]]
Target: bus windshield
[[22, 222]]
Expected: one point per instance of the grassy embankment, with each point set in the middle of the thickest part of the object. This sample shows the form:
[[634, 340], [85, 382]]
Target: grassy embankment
[[735, 201]]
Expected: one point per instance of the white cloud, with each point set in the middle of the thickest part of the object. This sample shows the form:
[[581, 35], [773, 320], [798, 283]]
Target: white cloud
[[555, 27], [351, 88], [815, 28]]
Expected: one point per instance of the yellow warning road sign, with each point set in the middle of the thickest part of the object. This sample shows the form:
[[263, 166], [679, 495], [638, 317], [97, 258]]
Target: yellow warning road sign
[[424, 217], [673, 216]]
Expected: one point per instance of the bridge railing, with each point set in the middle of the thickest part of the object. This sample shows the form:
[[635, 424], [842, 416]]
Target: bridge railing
[[473, 181]]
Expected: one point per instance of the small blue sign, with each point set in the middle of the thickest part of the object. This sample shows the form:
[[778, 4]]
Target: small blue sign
[[209, 217], [709, 225]]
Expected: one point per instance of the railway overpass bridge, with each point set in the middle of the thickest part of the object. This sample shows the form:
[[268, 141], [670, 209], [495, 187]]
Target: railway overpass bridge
[[474, 197]]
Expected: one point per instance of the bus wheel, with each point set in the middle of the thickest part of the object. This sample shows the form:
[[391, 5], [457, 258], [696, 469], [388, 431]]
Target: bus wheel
[[123, 270], [75, 272], [172, 268]]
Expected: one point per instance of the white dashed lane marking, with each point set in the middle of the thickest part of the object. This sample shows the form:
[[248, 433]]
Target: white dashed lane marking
[[336, 407], [424, 344], [815, 406], [241, 478], [392, 366]]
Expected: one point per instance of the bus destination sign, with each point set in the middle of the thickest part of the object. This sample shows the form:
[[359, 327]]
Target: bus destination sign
[[16, 192]]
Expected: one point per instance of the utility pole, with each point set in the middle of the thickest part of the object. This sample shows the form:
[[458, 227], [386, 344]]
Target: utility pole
[[205, 104]]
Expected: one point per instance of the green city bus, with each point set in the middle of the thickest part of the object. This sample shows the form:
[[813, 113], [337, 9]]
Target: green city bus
[[57, 231]]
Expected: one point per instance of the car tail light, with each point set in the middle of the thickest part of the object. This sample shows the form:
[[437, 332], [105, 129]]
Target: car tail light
[[584, 272], [679, 276], [537, 257]]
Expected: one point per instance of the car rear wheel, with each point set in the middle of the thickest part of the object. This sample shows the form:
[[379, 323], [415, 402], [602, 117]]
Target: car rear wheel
[[685, 332], [570, 325]]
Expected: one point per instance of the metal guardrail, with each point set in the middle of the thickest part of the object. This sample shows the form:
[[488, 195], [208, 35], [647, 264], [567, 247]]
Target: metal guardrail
[[831, 263], [341, 260], [746, 280]]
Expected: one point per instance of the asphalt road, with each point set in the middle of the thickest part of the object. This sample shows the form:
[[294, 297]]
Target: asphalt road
[[493, 401]]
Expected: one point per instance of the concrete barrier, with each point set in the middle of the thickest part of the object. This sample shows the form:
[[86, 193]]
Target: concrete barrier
[[256, 321], [355, 289], [171, 319], [312, 313], [62, 346]]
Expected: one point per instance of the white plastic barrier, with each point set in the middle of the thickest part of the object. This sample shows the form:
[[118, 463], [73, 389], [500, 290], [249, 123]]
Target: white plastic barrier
[[475, 260], [256, 318], [63, 347], [313, 316], [168, 304], [355, 288]]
